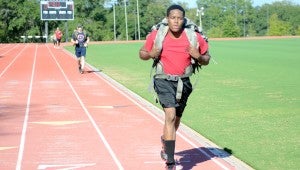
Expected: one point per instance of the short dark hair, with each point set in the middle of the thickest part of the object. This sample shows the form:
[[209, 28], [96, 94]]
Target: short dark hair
[[172, 7]]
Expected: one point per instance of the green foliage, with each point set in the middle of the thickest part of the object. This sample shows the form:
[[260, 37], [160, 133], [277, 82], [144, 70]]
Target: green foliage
[[278, 28], [215, 32], [230, 29], [285, 11], [298, 31]]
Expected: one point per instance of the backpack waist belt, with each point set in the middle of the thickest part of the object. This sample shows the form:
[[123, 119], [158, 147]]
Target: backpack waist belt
[[161, 75]]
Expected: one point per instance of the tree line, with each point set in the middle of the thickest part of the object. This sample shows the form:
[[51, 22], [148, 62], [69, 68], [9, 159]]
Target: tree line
[[106, 20]]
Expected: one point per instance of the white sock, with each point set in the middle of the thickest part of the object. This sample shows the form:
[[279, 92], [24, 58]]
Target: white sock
[[82, 62]]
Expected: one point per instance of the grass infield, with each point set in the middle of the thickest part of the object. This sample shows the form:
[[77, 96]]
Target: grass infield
[[246, 100]]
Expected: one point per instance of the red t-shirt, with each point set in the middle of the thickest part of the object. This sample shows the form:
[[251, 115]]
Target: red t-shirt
[[175, 57], [58, 34]]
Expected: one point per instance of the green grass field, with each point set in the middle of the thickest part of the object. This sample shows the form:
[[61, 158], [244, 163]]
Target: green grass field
[[248, 101]]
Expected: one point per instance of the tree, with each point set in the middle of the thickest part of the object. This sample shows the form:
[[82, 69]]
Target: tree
[[230, 29], [278, 27], [285, 11]]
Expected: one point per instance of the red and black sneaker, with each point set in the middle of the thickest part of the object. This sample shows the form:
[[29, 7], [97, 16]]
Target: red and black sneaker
[[171, 166]]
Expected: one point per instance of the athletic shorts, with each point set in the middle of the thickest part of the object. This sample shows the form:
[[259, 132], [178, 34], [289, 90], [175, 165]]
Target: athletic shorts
[[166, 91], [80, 51], [58, 40]]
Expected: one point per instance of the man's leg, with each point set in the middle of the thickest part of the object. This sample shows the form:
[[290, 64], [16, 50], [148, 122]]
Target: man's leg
[[79, 64], [169, 136], [177, 122], [82, 62], [169, 127]]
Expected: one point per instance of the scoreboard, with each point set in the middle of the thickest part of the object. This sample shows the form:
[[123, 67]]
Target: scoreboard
[[57, 9]]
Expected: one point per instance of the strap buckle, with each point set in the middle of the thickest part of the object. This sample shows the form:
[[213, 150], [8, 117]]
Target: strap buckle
[[172, 78]]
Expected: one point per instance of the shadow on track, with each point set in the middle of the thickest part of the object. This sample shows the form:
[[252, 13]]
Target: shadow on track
[[192, 157]]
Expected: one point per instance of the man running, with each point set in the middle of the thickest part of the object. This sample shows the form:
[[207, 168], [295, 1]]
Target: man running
[[80, 39], [58, 36], [174, 58]]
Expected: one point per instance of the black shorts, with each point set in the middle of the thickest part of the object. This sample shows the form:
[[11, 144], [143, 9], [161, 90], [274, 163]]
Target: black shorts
[[166, 91], [80, 51]]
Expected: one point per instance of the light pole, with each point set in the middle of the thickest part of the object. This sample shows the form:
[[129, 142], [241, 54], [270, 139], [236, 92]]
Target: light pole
[[126, 20], [115, 35], [138, 18], [200, 13], [244, 13]]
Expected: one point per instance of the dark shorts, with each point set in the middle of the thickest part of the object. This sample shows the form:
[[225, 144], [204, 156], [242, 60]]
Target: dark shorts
[[58, 40], [80, 51], [166, 91]]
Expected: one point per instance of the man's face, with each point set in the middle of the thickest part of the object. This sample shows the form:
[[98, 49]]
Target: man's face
[[79, 29], [175, 20]]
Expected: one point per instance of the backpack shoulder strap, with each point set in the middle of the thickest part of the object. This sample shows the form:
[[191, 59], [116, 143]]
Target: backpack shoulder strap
[[162, 30], [190, 29]]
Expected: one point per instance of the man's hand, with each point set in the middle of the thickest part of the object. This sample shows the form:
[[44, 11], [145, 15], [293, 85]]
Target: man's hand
[[154, 53], [193, 51], [146, 55], [202, 59]]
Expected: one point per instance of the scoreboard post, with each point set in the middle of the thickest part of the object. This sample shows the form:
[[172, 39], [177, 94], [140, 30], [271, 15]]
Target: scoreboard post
[[55, 10]]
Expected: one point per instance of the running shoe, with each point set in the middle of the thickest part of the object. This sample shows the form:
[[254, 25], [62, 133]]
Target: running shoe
[[170, 166], [80, 70]]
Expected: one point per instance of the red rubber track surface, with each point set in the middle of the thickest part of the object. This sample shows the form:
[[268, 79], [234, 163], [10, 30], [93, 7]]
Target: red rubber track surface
[[52, 117]]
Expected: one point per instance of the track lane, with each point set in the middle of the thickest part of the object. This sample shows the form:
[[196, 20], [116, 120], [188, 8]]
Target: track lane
[[14, 85], [8, 56], [60, 134]]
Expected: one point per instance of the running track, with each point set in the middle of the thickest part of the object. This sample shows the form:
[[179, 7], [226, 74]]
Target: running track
[[52, 117]]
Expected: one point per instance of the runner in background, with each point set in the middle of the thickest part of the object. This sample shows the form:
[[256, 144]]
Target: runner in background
[[58, 35], [80, 39], [54, 40]]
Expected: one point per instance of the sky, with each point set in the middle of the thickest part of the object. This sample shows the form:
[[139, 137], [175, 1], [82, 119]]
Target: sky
[[192, 3]]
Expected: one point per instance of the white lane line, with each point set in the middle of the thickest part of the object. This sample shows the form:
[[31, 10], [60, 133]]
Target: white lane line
[[25, 123], [102, 137], [9, 50], [4, 70], [102, 107], [3, 148], [114, 84], [65, 167], [58, 123]]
